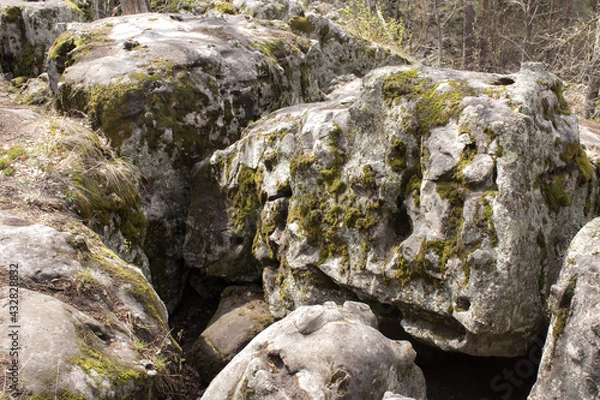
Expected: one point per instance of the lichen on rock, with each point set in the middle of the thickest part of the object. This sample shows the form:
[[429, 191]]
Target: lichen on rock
[[428, 190]]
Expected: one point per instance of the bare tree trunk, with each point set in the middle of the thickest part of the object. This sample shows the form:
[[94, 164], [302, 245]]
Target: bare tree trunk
[[438, 22], [468, 34], [134, 6], [592, 74], [485, 27], [530, 12]]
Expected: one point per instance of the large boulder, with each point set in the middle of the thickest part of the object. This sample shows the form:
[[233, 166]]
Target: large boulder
[[450, 195], [569, 368], [242, 314], [77, 314], [28, 30], [321, 352], [169, 90]]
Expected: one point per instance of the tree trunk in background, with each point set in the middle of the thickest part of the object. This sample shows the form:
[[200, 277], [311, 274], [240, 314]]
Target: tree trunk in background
[[483, 39], [530, 12], [592, 72], [103, 8], [468, 34], [438, 22], [134, 6]]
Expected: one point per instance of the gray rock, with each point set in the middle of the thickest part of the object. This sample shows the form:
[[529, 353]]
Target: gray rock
[[27, 31], [79, 337], [169, 92], [242, 314], [569, 367], [322, 351], [44, 254], [450, 195]]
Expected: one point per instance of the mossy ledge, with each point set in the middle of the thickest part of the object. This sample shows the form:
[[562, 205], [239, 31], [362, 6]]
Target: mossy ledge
[[574, 154], [435, 104]]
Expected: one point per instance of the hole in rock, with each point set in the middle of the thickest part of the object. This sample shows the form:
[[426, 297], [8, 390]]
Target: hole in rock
[[463, 304], [276, 360], [457, 376], [402, 223], [503, 81], [236, 240]]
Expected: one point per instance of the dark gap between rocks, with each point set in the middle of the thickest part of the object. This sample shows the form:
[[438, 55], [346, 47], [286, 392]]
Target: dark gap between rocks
[[457, 376], [190, 319]]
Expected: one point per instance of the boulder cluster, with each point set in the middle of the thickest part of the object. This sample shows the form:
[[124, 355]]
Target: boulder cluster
[[322, 178]]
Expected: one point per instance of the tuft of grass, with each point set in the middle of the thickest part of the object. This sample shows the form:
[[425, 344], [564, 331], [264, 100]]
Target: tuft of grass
[[104, 184], [85, 280], [11, 155]]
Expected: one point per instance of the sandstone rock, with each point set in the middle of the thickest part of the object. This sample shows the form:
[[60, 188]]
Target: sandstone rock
[[27, 31], [569, 368], [450, 195], [242, 314], [79, 337], [323, 351], [170, 91]]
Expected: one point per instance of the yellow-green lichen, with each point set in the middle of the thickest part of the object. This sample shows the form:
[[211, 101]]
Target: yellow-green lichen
[[246, 198], [301, 24], [413, 187], [435, 104], [301, 163], [488, 213], [368, 178], [396, 158], [563, 106], [401, 84], [224, 8], [466, 158], [575, 154], [94, 363], [555, 195], [62, 394], [134, 282], [84, 9]]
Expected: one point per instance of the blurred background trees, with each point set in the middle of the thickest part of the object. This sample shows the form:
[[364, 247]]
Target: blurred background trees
[[497, 35]]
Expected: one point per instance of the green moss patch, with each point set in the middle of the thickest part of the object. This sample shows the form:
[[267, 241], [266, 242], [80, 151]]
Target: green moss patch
[[434, 107], [555, 195], [28, 60], [396, 158], [224, 8], [93, 362], [245, 199], [301, 24], [574, 154]]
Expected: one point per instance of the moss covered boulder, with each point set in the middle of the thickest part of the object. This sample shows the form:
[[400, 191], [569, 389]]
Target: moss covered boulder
[[84, 324], [168, 92], [28, 30], [450, 195]]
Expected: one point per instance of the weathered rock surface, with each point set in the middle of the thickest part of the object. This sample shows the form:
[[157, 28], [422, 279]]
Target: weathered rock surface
[[569, 368], [451, 195], [323, 351], [78, 338], [242, 314], [28, 30], [169, 91]]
